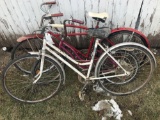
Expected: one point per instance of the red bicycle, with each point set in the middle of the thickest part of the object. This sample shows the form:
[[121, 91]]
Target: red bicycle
[[33, 42]]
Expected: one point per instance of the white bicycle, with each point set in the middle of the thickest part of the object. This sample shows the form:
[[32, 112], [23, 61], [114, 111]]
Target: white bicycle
[[116, 71]]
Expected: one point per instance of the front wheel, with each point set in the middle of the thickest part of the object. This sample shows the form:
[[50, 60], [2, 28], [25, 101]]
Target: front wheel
[[137, 75], [19, 84]]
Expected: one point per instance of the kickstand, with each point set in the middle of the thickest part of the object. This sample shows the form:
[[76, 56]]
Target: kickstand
[[83, 91]]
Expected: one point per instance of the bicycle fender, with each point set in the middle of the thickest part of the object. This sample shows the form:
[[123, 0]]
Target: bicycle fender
[[29, 36], [132, 30], [49, 56]]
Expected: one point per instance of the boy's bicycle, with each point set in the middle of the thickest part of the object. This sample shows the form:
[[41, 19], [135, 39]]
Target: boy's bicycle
[[33, 42]]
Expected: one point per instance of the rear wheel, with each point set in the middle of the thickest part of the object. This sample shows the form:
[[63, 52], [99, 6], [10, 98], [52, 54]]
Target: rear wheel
[[24, 47], [29, 45], [19, 84], [137, 76], [126, 60], [126, 36]]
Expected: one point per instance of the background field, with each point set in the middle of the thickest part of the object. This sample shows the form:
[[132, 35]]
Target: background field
[[144, 105]]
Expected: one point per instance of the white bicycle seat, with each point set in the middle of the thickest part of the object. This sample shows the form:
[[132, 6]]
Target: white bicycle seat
[[98, 15]]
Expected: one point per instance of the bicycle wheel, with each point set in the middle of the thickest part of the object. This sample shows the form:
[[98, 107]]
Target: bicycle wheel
[[46, 69], [19, 84], [22, 48], [136, 78], [29, 45], [126, 36]]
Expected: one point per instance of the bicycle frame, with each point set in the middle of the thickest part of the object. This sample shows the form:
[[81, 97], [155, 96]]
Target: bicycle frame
[[47, 45], [76, 52], [79, 55], [64, 46]]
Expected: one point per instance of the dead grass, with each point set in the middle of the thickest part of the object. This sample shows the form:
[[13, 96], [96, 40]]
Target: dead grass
[[144, 105]]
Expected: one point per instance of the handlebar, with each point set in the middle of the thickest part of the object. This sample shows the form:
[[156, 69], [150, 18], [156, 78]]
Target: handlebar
[[47, 3], [49, 16], [73, 20], [57, 15], [65, 27], [77, 21]]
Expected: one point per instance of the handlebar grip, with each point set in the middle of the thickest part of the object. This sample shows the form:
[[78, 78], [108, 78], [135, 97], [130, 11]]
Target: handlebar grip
[[57, 15], [49, 3], [77, 21]]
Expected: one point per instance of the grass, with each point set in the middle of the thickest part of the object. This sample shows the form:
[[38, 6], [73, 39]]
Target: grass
[[144, 105]]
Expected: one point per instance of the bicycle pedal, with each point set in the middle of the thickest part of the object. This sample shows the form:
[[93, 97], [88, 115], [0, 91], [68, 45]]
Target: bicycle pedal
[[81, 95]]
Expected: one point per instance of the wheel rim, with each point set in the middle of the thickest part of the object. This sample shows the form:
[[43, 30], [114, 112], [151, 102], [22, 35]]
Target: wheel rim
[[19, 84], [141, 77]]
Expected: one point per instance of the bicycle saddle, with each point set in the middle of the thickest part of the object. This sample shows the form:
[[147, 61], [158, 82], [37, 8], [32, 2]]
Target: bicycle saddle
[[98, 16]]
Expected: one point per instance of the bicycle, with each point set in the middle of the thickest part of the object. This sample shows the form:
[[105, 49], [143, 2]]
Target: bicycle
[[31, 42], [56, 37], [116, 71]]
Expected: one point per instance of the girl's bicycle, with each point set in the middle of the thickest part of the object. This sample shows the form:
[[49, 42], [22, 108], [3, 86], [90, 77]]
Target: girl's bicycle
[[117, 71]]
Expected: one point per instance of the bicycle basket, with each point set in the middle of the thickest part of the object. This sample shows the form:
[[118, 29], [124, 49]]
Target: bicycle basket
[[99, 33]]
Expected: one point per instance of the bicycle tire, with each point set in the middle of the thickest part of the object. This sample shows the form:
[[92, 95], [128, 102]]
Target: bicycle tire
[[19, 85], [124, 36], [143, 75], [36, 67], [29, 45]]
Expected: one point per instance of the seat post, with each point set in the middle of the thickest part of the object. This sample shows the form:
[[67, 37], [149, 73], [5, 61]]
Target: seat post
[[97, 26]]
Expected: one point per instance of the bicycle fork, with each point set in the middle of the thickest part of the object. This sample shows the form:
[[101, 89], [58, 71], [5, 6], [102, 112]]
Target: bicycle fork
[[38, 76]]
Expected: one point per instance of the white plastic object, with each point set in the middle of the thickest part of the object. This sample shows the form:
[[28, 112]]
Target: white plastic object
[[130, 113], [49, 38], [110, 108], [4, 48], [117, 113]]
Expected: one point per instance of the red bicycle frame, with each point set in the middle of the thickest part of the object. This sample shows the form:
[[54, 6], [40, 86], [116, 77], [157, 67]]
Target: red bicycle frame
[[72, 51]]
